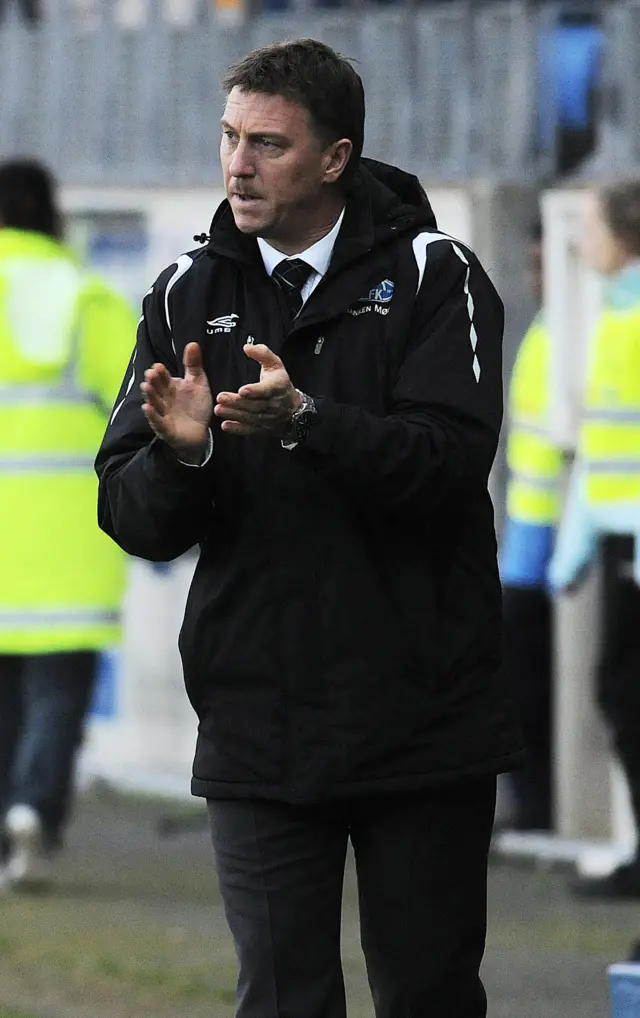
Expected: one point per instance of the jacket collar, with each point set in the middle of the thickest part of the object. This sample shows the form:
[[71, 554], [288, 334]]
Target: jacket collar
[[318, 255]]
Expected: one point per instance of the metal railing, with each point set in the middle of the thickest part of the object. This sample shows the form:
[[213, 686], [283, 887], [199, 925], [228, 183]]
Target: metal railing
[[620, 112], [452, 89]]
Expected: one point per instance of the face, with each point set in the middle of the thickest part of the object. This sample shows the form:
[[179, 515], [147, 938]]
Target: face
[[277, 174], [602, 252]]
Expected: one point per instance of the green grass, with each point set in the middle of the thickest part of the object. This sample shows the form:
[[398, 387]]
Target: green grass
[[12, 1013]]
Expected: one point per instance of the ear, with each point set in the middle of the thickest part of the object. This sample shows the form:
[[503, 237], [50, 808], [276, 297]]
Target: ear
[[337, 157]]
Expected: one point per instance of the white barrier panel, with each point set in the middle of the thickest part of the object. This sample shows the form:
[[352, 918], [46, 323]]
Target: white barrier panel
[[148, 740], [573, 297], [130, 235], [454, 212]]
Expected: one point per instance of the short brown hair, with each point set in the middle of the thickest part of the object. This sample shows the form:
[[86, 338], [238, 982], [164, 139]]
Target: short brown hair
[[317, 78], [621, 207]]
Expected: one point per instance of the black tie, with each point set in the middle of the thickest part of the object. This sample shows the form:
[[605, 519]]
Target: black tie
[[291, 274]]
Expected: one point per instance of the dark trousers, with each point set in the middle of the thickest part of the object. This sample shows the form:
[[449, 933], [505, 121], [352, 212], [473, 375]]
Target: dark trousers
[[528, 641], [44, 699], [619, 665], [421, 861]]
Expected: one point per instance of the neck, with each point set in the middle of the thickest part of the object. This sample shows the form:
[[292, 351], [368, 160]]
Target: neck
[[304, 238]]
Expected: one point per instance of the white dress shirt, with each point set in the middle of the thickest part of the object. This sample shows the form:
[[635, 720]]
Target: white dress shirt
[[318, 257]]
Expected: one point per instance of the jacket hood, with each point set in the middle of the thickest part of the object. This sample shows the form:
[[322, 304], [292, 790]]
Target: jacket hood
[[399, 193]]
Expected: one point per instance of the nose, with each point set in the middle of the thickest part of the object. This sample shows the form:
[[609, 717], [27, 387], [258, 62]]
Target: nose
[[241, 164]]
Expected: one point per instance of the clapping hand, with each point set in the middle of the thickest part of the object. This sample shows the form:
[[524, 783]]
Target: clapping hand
[[264, 408]]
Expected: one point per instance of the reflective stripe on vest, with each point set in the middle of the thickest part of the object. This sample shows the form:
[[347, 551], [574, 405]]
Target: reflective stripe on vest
[[611, 481], [37, 395], [614, 466], [617, 415], [39, 464], [52, 617], [539, 483], [530, 427]]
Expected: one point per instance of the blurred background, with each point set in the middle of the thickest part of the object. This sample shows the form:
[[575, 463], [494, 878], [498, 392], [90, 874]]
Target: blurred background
[[515, 115]]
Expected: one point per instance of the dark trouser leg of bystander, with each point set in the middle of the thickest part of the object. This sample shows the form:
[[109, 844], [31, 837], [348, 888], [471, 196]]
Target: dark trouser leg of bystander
[[57, 696], [619, 695], [421, 860], [528, 656], [619, 670], [11, 670]]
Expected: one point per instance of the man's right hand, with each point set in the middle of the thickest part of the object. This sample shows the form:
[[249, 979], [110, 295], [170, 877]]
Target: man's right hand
[[179, 410]]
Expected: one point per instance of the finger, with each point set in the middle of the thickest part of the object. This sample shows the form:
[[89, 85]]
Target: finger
[[153, 398], [265, 390], [235, 428], [192, 360], [251, 405], [264, 356], [158, 376], [260, 421], [154, 419]]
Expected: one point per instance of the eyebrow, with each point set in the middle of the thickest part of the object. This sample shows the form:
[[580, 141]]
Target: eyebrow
[[271, 135]]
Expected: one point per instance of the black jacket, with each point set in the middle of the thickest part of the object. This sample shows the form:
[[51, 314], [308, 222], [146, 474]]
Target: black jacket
[[343, 629]]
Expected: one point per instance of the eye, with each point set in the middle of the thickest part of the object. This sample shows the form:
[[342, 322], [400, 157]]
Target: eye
[[228, 133], [266, 143]]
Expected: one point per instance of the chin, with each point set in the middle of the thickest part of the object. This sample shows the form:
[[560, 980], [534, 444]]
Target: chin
[[251, 225], [248, 228]]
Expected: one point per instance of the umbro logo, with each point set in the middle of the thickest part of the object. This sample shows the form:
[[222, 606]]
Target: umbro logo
[[225, 323]]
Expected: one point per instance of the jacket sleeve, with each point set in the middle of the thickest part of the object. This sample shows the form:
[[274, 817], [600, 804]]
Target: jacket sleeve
[[441, 430], [151, 504], [576, 539]]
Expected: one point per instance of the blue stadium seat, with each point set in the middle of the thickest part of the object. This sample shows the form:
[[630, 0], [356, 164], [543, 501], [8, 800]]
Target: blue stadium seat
[[569, 59], [624, 982]]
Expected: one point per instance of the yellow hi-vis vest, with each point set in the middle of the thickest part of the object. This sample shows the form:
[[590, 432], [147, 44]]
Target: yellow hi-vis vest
[[535, 463], [609, 442], [65, 339]]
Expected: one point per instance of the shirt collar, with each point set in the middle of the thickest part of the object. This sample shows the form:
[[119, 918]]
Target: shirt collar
[[317, 256]]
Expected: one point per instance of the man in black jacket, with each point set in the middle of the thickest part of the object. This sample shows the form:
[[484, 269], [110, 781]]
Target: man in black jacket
[[321, 401]]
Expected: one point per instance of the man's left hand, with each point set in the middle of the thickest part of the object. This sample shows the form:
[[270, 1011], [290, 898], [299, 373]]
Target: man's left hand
[[264, 408]]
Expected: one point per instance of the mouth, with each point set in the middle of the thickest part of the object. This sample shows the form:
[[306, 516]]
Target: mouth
[[241, 198]]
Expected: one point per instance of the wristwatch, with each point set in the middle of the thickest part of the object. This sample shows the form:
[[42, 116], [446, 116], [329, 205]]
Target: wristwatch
[[301, 421]]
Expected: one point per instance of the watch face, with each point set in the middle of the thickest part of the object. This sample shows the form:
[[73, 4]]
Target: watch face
[[303, 417], [304, 422]]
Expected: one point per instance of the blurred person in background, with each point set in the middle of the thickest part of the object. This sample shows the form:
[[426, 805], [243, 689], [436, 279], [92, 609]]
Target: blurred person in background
[[342, 639], [533, 505], [65, 338], [602, 514], [31, 10]]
